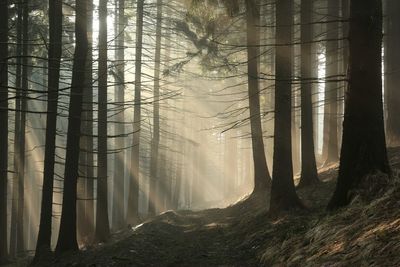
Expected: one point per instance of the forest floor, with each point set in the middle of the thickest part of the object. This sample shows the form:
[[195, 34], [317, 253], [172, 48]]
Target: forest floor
[[367, 233]]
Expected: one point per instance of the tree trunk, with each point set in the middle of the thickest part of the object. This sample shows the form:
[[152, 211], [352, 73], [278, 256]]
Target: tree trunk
[[331, 88], [119, 167], [133, 196], [364, 147], [4, 127], [17, 122], [309, 173], [262, 178], [67, 235], [345, 8], [43, 245], [20, 245], [154, 198], [88, 232], [102, 224], [392, 71], [283, 193]]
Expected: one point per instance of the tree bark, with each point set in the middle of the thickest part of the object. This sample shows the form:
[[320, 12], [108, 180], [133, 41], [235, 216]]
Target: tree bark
[[102, 223], [89, 230], [283, 193], [392, 71], [4, 127], [17, 122], [119, 167], [331, 88], [43, 245], [133, 196], [67, 239], [21, 133], [262, 178], [364, 146], [309, 174], [155, 199]]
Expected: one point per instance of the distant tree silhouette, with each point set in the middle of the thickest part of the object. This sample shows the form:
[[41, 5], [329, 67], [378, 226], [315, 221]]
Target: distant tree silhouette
[[4, 127]]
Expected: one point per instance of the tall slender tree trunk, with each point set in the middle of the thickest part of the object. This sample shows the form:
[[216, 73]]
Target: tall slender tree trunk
[[262, 178], [332, 87], [4, 127], [17, 122], [20, 247], [309, 173], [133, 196], [392, 71], [43, 245], [283, 193], [67, 239], [102, 224], [154, 198], [345, 5], [89, 230], [119, 173], [364, 147], [345, 8]]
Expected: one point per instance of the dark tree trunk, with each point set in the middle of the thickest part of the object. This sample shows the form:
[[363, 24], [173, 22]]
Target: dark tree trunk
[[262, 178], [17, 122], [88, 230], [345, 29], [170, 119], [67, 236], [392, 71], [21, 131], [119, 175], [364, 147], [309, 173], [283, 193], [133, 196], [43, 245], [331, 88], [102, 224], [154, 198], [345, 9], [4, 127]]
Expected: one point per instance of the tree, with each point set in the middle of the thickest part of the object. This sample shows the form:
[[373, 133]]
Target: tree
[[43, 245], [67, 236], [102, 224], [364, 146], [331, 88], [17, 122], [89, 190], [283, 193], [262, 179], [133, 195], [392, 66], [4, 127], [17, 243], [309, 172], [154, 198], [118, 190]]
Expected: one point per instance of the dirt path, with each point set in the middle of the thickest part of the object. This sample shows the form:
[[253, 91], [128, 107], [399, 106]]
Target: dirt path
[[216, 237], [245, 235]]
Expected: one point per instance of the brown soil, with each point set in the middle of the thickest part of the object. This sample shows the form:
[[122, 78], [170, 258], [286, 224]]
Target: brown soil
[[367, 233]]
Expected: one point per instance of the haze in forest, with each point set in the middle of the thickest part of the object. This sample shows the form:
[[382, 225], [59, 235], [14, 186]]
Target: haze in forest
[[118, 114]]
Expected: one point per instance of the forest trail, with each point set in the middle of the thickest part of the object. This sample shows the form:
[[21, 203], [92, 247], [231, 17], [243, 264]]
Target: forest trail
[[366, 234]]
